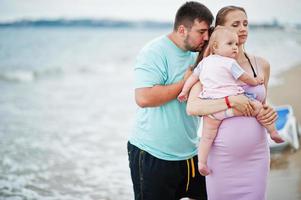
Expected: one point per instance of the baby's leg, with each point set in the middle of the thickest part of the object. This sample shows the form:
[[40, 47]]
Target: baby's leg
[[271, 128], [274, 133], [224, 114], [210, 128]]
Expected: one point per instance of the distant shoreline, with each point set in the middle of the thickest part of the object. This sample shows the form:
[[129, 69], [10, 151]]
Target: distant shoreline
[[86, 23], [120, 23]]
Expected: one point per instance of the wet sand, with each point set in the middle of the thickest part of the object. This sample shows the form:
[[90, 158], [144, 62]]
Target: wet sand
[[285, 176]]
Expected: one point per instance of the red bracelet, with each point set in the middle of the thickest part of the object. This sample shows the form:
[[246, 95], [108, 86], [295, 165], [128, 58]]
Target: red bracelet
[[227, 102]]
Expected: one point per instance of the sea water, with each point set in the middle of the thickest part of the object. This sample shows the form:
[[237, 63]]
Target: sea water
[[67, 107]]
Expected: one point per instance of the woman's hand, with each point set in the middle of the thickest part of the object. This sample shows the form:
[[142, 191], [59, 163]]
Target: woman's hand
[[267, 115], [242, 104], [259, 80]]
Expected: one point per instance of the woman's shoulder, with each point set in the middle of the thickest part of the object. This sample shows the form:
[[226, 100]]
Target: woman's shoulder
[[260, 62]]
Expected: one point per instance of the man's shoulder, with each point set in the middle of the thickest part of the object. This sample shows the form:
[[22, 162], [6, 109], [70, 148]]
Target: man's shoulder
[[157, 43], [157, 48], [152, 54]]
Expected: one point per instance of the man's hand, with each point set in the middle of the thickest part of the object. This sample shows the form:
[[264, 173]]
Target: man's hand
[[267, 115], [242, 104]]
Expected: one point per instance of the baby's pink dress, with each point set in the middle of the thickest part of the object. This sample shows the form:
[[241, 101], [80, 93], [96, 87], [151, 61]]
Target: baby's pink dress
[[219, 77]]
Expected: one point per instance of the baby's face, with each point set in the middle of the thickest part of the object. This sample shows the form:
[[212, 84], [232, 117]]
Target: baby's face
[[227, 45]]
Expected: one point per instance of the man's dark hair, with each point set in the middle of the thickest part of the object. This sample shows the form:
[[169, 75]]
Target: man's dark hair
[[191, 11]]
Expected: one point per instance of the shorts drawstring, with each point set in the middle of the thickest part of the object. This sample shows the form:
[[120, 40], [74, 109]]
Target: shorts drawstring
[[192, 168], [188, 171]]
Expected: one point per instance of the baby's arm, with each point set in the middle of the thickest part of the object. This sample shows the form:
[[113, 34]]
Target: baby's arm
[[240, 74], [193, 78], [246, 78]]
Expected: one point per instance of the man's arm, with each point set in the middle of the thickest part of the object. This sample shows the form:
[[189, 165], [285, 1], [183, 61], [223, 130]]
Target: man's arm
[[198, 106], [158, 94]]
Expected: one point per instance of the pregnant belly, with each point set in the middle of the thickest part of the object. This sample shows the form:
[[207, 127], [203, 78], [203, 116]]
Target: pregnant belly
[[240, 136]]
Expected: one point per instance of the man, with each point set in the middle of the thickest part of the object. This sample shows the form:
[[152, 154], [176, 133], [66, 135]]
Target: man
[[163, 147]]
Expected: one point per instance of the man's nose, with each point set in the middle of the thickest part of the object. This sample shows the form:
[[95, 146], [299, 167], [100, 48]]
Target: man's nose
[[206, 36]]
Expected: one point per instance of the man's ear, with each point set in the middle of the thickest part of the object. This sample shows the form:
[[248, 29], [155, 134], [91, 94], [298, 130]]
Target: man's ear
[[182, 30]]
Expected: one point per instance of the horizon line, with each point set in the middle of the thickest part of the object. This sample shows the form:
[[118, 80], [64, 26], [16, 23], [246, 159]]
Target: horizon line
[[111, 22]]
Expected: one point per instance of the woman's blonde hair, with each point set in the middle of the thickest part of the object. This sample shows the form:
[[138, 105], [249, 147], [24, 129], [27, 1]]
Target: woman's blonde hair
[[223, 12]]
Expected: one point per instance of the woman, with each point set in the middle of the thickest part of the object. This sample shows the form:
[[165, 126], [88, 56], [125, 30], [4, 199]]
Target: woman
[[239, 157]]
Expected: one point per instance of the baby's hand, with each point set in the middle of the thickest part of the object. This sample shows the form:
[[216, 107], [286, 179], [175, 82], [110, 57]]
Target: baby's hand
[[259, 80], [182, 97]]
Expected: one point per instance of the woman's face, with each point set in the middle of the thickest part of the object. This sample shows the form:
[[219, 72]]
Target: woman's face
[[238, 21]]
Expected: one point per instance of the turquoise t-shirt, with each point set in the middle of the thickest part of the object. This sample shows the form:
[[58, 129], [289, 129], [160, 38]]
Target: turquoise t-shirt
[[166, 131]]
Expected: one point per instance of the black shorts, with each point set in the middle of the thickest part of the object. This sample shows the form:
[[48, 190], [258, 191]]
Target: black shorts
[[156, 179]]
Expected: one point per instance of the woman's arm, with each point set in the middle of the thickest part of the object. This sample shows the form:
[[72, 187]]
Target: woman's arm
[[267, 115], [198, 106]]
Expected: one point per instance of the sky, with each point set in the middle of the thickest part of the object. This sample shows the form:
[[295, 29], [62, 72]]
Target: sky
[[285, 11]]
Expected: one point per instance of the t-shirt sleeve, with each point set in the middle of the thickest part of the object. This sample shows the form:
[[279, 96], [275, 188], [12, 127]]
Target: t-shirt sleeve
[[149, 69], [236, 70]]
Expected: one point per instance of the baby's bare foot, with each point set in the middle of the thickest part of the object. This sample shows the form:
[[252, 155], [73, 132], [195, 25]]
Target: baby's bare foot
[[276, 137], [203, 169]]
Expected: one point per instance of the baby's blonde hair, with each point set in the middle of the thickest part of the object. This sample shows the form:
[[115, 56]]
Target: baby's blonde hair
[[214, 38]]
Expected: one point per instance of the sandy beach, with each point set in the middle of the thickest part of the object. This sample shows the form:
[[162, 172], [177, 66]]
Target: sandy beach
[[288, 92], [285, 175]]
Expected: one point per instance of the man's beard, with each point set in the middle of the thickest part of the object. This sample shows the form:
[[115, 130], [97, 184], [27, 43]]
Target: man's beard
[[188, 47]]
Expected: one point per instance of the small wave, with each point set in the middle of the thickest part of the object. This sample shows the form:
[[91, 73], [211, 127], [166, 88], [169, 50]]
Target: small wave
[[29, 76], [49, 72], [17, 76]]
